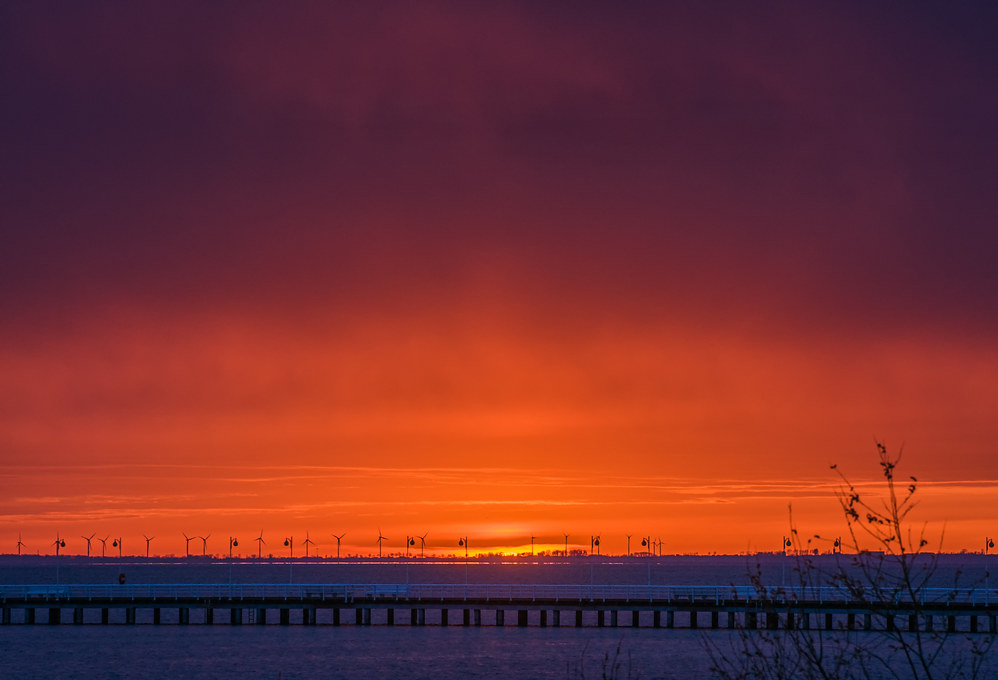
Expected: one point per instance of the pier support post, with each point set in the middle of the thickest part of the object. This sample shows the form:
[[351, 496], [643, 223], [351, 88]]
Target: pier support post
[[310, 616], [889, 622], [751, 620], [973, 623], [29, 615], [55, 615], [772, 621], [236, 616], [261, 616], [6, 616], [600, 618], [466, 619], [850, 621], [635, 619], [285, 617], [656, 619], [670, 619], [500, 617], [928, 623], [731, 620], [444, 617], [521, 618], [422, 616], [78, 615], [413, 617], [478, 617], [693, 619], [867, 621], [613, 618], [104, 615], [209, 615], [130, 615], [557, 618], [391, 616], [805, 620], [157, 616], [828, 621], [951, 624], [336, 616], [185, 616], [992, 625], [367, 617], [358, 616], [544, 618], [578, 618], [714, 619], [791, 619]]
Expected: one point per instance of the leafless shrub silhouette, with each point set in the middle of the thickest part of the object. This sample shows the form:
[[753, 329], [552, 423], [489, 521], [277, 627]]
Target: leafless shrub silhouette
[[884, 584]]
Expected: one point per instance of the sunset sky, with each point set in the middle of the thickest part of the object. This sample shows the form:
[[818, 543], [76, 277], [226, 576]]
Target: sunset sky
[[495, 270]]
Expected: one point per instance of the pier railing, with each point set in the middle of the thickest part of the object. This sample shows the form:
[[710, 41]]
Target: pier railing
[[567, 594]]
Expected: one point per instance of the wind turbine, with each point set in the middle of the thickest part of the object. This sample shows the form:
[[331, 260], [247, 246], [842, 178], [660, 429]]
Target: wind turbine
[[117, 544], [532, 539], [338, 539], [204, 544], [188, 546], [103, 546], [20, 544], [84, 538], [148, 541], [290, 543], [628, 545], [232, 542], [422, 543], [380, 539], [307, 542], [59, 543], [259, 545]]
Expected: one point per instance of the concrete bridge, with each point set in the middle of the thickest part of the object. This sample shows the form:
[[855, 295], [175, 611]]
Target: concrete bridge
[[973, 610]]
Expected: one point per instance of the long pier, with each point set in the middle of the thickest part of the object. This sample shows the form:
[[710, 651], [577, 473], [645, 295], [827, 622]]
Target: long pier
[[691, 607]]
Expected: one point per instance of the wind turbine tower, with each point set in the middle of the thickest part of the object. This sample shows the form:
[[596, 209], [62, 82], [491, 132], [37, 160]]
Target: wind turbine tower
[[59, 543], [204, 544], [422, 543], [380, 539], [338, 539], [259, 544], [88, 542], [308, 541], [187, 547], [148, 541], [20, 544]]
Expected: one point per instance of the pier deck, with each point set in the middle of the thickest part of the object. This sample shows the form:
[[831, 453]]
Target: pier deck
[[709, 607]]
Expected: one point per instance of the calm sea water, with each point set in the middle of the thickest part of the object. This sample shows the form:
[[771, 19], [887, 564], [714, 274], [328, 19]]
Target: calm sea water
[[273, 651]]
